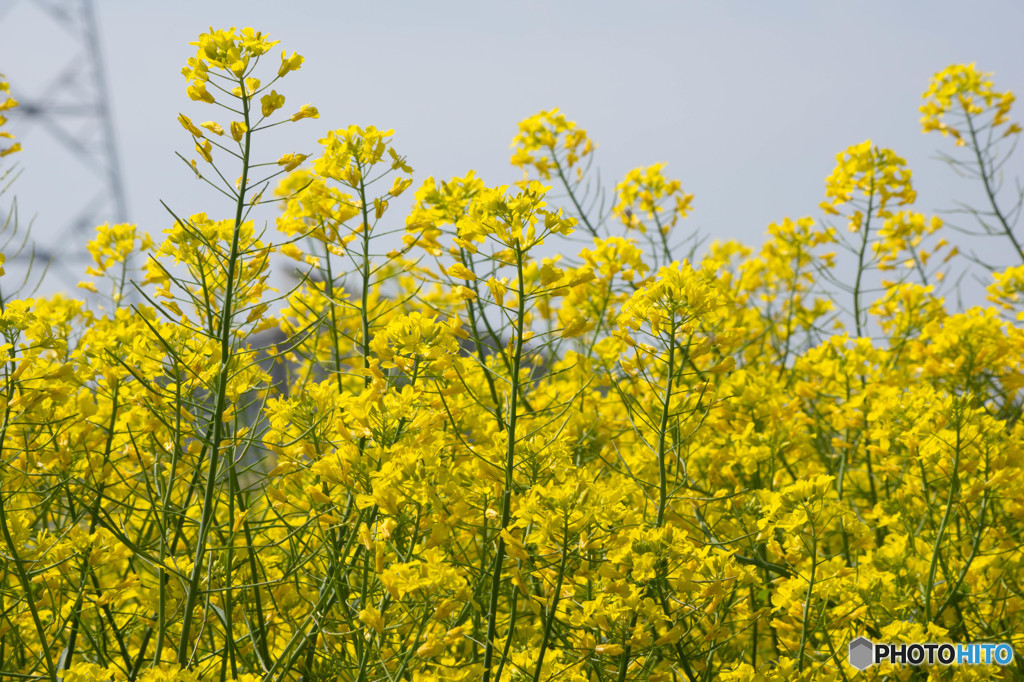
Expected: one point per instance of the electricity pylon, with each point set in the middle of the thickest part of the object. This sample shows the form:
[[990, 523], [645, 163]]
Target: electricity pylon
[[73, 107]]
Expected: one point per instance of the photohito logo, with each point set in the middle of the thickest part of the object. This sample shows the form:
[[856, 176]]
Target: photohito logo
[[864, 653]]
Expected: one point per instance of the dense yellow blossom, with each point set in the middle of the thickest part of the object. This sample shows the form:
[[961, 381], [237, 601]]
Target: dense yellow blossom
[[469, 458], [960, 91], [550, 143]]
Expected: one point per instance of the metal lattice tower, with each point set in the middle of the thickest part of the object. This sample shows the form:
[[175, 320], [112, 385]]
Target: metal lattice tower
[[73, 107]]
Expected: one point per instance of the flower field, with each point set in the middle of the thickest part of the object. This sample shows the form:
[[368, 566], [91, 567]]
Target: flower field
[[449, 455]]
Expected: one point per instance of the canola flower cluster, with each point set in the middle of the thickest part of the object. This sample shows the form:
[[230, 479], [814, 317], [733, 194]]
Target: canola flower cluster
[[465, 461]]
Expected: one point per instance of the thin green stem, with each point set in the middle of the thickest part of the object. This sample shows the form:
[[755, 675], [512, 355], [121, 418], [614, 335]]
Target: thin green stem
[[663, 431], [861, 256], [209, 499], [807, 601], [553, 610], [506, 500], [19, 566], [989, 189], [954, 485]]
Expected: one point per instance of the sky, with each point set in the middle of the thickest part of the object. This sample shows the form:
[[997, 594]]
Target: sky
[[748, 103]]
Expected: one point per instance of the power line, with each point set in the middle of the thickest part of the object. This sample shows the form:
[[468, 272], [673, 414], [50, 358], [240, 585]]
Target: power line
[[74, 108]]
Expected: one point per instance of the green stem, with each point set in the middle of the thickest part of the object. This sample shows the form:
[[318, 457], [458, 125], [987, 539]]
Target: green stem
[[572, 195], [65, 662], [553, 611], [365, 275], [19, 566], [989, 189], [506, 500], [209, 500], [954, 485], [663, 433], [666, 249], [861, 254], [807, 601]]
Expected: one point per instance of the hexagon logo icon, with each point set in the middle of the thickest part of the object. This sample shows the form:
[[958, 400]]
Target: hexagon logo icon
[[862, 653]]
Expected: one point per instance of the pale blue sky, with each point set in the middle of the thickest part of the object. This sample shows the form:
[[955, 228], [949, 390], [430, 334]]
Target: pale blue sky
[[748, 102]]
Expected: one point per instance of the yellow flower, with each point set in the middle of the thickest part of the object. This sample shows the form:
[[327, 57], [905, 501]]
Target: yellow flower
[[575, 327], [464, 293], [647, 192], [205, 150], [213, 127], [293, 63], [960, 92], [238, 130], [609, 650], [305, 111], [348, 151], [498, 289], [198, 92], [114, 244], [878, 175], [549, 141], [187, 125], [291, 161], [372, 617], [271, 102], [460, 271], [6, 104]]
